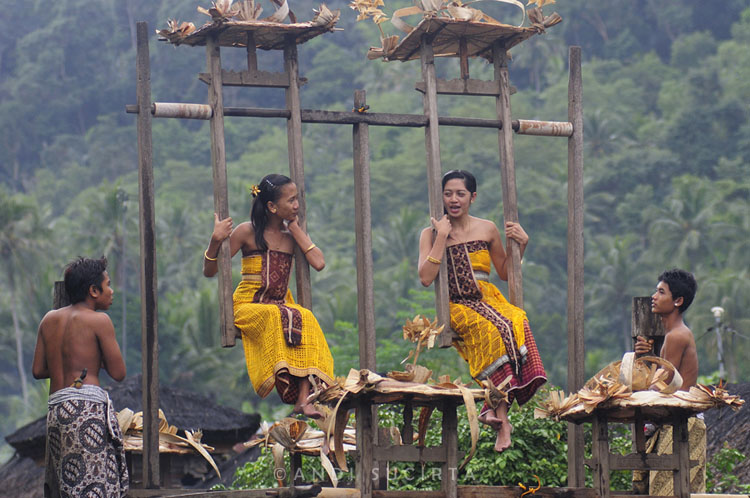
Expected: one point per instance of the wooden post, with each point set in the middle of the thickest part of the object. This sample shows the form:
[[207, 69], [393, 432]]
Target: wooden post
[[365, 455], [450, 444], [647, 323], [681, 450], [60, 297], [508, 171], [600, 454], [149, 335], [221, 199], [576, 353], [363, 230], [434, 176], [296, 168]]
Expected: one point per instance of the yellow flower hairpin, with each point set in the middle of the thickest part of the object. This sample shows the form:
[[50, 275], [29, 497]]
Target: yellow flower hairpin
[[255, 190]]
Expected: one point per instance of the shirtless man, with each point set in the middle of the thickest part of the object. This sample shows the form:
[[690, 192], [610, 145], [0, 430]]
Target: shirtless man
[[674, 294], [73, 344]]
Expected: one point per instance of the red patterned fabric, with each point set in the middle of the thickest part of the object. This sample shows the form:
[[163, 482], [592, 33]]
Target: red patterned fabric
[[494, 336], [275, 278]]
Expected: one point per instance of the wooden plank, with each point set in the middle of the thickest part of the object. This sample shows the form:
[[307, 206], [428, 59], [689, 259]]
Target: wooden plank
[[60, 296], [264, 79], [221, 197], [576, 353], [450, 443], [407, 429], [434, 188], [296, 165], [647, 323], [516, 491], [147, 235], [410, 453], [363, 234], [639, 437], [508, 173], [642, 461], [463, 87]]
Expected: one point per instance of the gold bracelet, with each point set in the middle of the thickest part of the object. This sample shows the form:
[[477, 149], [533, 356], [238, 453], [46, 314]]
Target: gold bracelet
[[433, 260], [205, 255], [313, 246]]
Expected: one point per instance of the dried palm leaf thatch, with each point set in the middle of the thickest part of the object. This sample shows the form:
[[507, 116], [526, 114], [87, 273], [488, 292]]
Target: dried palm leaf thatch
[[600, 392], [176, 30], [294, 435], [422, 331], [131, 426], [413, 373], [556, 405], [710, 397], [221, 10]]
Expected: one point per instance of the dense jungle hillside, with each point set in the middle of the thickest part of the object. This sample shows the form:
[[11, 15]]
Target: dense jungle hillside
[[667, 148]]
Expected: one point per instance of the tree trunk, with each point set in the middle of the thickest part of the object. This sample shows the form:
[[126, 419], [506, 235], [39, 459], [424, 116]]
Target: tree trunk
[[19, 343]]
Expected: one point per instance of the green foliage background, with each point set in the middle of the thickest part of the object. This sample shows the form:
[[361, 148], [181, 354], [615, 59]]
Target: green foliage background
[[666, 92]]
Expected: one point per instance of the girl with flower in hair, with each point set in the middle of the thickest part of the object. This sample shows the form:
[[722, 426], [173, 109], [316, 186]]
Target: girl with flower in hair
[[283, 342], [493, 335]]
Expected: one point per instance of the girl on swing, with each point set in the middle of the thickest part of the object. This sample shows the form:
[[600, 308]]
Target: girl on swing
[[283, 342], [494, 336]]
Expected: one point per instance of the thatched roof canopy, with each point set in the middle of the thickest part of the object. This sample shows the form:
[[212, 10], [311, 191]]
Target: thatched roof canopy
[[446, 34], [267, 35]]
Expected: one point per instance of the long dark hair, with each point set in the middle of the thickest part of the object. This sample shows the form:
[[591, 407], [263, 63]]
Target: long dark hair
[[270, 191]]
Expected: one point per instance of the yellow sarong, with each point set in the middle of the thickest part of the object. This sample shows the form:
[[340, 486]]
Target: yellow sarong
[[263, 306]]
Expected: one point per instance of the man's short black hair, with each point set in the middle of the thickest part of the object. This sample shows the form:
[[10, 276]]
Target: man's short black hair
[[681, 284], [81, 274]]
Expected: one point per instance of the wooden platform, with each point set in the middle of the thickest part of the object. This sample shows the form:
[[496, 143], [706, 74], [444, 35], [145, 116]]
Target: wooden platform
[[267, 35], [446, 36]]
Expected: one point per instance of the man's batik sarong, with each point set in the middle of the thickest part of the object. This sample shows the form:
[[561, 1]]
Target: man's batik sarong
[[280, 338], [661, 482], [495, 338], [85, 456]]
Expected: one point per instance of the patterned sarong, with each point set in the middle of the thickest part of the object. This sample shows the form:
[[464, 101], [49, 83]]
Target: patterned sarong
[[281, 339], [85, 455], [661, 482], [494, 336]]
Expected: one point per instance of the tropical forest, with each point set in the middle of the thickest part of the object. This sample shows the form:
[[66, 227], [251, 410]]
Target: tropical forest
[[666, 103]]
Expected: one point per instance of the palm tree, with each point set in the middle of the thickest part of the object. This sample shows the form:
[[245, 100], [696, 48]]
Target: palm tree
[[620, 276], [687, 228], [18, 225]]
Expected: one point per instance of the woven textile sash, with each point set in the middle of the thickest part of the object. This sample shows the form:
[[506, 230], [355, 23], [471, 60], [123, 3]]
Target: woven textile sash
[[463, 289], [275, 271]]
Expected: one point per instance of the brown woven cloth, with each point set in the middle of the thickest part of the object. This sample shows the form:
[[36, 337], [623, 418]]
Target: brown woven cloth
[[661, 482]]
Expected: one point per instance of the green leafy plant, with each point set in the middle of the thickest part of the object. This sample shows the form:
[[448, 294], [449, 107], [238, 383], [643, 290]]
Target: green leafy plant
[[720, 474]]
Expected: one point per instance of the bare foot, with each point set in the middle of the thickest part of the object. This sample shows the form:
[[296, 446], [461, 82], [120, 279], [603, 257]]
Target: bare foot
[[308, 410], [502, 442], [488, 417]]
